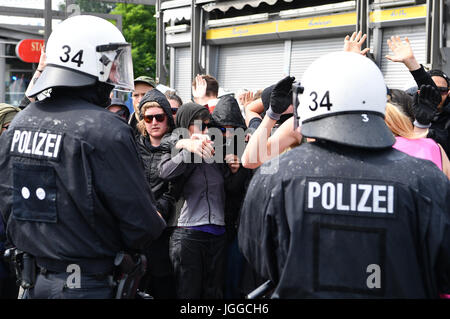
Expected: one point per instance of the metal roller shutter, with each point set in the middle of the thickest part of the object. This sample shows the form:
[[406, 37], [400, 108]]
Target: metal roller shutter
[[306, 51], [397, 75], [183, 73], [250, 66]]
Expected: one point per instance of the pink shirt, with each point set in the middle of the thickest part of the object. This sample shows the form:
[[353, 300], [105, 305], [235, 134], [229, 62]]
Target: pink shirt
[[424, 148]]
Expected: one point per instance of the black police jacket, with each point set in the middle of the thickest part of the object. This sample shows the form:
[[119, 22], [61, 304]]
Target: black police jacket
[[334, 222], [71, 182]]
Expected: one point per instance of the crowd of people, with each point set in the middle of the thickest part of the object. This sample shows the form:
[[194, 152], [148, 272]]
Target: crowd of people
[[287, 184]]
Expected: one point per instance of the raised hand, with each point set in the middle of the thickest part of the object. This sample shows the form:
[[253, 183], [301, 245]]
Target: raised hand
[[425, 104], [355, 42], [247, 98], [199, 91], [402, 52], [280, 98]]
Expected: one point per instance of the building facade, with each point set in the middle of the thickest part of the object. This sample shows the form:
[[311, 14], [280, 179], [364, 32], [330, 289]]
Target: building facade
[[252, 44]]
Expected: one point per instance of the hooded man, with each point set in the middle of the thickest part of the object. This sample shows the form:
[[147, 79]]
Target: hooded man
[[228, 118]]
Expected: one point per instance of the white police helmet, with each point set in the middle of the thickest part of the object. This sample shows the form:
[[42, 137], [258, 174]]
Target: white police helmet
[[82, 50], [344, 101]]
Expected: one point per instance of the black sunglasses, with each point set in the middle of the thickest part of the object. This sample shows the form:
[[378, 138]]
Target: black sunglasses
[[174, 110], [159, 117], [442, 89], [202, 127]]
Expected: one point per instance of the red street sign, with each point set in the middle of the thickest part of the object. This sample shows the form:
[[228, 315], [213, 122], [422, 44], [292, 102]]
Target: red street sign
[[29, 50]]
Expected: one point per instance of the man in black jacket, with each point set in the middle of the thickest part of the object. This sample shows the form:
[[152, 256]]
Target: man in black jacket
[[347, 216], [67, 195]]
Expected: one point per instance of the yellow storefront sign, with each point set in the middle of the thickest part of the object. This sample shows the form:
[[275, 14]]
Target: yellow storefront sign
[[310, 23], [241, 31], [330, 21], [399, 14]]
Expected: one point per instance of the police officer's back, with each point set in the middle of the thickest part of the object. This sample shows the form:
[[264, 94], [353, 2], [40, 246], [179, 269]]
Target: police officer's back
[[347, 216], [66, 192]]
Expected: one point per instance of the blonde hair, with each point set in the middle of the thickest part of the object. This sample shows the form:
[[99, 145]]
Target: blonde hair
[[141, 124], [399, 123]]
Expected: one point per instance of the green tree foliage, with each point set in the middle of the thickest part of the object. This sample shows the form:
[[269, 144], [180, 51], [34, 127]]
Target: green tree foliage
[[139, 29]]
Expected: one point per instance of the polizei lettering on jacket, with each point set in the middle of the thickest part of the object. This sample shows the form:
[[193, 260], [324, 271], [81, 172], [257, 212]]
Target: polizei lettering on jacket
[[45, 145], [358, 197]]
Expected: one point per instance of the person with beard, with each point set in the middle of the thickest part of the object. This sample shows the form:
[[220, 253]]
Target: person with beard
[[155, 125], [198, 243]]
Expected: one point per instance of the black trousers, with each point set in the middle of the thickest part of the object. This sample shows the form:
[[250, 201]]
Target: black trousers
[[54, 286], [198, 260], [159, 280]]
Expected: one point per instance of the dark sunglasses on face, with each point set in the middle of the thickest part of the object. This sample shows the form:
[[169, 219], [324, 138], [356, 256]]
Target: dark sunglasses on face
[[443, 89], [159, 118], [202, 127], [174, 110]]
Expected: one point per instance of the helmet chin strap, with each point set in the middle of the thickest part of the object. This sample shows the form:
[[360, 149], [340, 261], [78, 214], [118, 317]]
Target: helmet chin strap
[[296, 90]]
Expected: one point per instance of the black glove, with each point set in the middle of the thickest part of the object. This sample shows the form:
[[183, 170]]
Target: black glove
[[425, 105], [280, 99]]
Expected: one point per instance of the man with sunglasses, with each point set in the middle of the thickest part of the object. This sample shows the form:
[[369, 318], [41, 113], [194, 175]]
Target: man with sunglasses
[[430, 112], [175, 102]]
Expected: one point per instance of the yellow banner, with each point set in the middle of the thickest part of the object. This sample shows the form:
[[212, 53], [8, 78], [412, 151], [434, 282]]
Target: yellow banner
[[241, 31], [310, 23], [330, 21], [399, 14]]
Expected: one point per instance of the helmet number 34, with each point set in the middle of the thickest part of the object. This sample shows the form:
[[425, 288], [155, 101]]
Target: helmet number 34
[[324, 102], [77, 58]]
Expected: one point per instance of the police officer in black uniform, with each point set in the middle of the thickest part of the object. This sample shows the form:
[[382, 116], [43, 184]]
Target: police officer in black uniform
[[72, 187], [347, 216]]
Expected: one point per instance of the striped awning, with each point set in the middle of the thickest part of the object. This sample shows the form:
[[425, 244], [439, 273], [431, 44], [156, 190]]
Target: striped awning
[[177, 14], [238, 4]]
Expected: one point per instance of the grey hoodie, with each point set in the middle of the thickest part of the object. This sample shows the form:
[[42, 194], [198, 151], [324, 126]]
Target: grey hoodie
[[204, 183]]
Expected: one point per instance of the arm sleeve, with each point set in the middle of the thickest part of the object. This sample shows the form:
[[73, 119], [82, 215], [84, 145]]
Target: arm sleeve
[[170, 168], [119, 178], [422, 77]]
